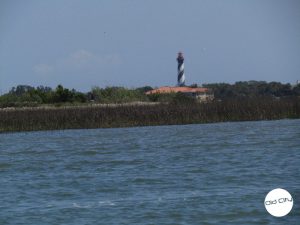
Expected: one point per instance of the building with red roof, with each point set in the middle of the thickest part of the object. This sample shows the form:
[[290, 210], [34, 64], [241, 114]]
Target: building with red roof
[[200, 93]]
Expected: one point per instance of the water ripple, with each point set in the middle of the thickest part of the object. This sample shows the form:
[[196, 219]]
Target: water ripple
[[191, 174]]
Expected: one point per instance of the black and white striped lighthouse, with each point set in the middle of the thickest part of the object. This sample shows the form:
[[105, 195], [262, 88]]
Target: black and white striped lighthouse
[[180, 75]]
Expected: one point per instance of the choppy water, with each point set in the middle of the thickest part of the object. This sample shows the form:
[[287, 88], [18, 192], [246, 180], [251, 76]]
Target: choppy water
[[194, 174]]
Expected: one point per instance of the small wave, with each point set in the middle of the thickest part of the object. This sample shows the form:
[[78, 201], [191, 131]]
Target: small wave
[[93, 204], [76, 205], [104, 203]]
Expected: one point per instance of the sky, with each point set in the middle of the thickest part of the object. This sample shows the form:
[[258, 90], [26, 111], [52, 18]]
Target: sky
[[132, 43]]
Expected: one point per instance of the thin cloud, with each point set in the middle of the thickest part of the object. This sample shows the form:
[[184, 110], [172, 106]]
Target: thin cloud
[[78, 63], [81, 56], [42, 69], [84, 59]]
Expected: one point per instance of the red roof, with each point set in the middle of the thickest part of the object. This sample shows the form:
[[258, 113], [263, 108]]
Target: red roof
[[177, 89]]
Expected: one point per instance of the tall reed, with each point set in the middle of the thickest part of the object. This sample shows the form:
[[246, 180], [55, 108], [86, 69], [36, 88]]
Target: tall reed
[[29, 119]]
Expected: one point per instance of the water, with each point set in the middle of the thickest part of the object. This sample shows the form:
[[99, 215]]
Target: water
[[193, 174]]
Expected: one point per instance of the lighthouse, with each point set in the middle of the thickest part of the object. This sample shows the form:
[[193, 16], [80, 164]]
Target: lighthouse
[[180, 69]]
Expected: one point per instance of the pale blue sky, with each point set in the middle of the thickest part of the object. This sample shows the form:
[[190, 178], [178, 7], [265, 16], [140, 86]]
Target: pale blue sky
[[132, 43]]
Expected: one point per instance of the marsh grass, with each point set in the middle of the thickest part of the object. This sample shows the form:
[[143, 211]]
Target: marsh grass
[[54, 118]]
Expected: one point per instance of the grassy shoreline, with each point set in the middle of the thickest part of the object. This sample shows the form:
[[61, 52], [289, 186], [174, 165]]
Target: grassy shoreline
[[129, 115]]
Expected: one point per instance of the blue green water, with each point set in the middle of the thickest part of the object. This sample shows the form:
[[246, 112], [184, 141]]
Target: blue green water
[[192, 174]]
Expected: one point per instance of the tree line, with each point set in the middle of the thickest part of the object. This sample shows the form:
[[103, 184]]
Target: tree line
[[251, 89], [25, 95]]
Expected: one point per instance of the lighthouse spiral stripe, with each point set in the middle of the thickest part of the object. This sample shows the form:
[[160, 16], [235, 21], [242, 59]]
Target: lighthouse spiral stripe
[[181, 76]]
